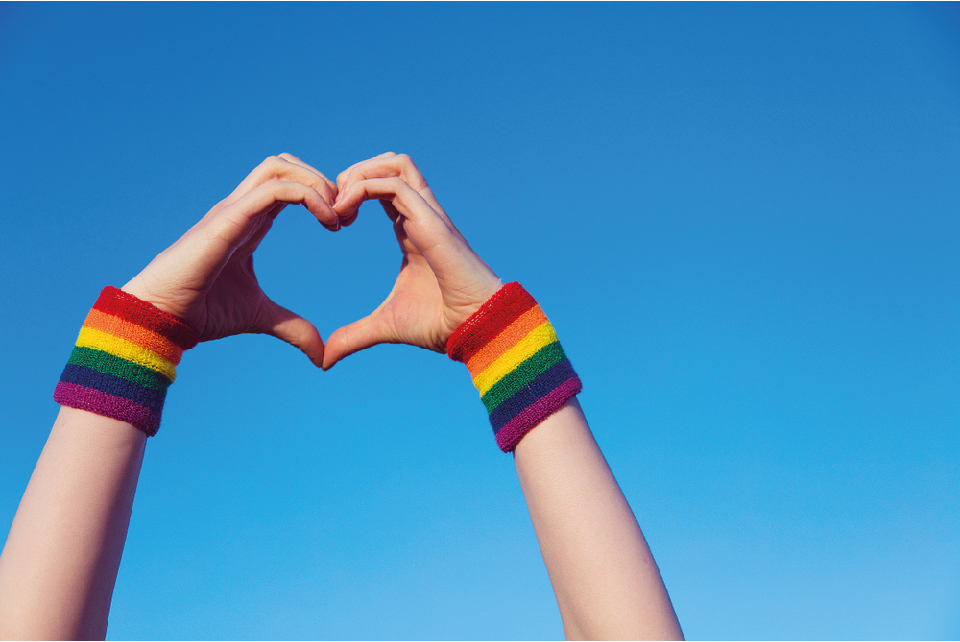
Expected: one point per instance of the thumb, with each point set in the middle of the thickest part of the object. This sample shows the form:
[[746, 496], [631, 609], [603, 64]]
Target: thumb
[[295, 330], [356, 336]]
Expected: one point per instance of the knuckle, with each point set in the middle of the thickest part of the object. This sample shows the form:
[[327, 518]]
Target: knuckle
[[271, 166], [411, 172], [279, 162]]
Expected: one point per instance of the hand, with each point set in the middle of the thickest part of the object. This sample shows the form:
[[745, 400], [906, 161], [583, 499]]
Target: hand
[[206, 278], [441, 282]]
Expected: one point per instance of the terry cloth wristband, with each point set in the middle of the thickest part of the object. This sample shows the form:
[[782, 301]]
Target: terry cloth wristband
[[125, 357], [516, 362]]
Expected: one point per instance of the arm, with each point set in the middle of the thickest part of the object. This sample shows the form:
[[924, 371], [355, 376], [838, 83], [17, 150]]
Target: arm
[[603, 574], [59, 565], [607, 584]]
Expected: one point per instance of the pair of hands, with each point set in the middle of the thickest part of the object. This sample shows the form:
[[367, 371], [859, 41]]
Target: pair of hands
[[206, 278]]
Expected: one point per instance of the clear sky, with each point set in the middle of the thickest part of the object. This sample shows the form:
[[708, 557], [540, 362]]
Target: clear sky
[[743, 220]]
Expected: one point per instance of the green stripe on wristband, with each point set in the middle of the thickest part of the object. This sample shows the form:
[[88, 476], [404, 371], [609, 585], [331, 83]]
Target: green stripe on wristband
[[540, 362]]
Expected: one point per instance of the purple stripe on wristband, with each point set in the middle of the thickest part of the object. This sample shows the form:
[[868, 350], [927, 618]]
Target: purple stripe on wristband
[[115, 386], [513, 431], [101, 403]]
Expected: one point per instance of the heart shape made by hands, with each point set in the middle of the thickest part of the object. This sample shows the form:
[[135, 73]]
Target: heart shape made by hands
[[207, 279]]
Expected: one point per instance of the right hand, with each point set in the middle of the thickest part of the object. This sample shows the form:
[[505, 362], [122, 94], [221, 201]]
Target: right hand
[[442, 281]]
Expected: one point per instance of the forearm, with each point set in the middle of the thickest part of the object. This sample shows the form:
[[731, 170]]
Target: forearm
[[59, 565], [604, 576]]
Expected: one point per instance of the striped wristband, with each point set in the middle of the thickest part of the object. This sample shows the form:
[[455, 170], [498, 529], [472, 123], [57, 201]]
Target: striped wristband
[[125, 357], [516, 362]]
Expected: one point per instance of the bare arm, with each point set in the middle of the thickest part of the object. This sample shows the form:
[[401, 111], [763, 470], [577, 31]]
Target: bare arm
[[606, 582], [59, 564]]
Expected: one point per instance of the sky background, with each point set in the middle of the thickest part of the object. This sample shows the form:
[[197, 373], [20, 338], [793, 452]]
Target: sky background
[[743, 220]]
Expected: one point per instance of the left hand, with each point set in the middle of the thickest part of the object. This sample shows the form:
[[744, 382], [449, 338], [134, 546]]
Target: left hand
[[206, 278]]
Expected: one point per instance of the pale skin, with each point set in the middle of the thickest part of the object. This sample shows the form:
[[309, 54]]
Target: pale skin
[[59, 565]]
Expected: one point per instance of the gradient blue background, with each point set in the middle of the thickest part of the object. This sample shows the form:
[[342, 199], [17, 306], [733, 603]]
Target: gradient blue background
[[744, 221]]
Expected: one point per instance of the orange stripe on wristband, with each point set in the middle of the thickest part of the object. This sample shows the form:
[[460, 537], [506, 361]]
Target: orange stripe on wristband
[[133, 333], [529, 344], [529, 320]]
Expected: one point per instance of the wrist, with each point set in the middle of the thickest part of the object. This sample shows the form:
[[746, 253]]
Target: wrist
[[516, 362], [137, 288], [124, 360]]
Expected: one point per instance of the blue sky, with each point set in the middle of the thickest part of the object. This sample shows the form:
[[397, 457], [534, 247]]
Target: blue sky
[[742, 220]]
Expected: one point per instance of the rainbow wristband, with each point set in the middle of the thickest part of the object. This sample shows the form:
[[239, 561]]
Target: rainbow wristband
[[516, 362], [125, 357]]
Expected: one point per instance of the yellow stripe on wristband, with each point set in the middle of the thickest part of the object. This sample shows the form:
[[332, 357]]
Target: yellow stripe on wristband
[[527, 347], [136, 334], [97, 340]]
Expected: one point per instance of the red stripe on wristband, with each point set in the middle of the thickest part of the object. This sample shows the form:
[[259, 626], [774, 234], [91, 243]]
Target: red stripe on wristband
[[146, 315], [500, 310]]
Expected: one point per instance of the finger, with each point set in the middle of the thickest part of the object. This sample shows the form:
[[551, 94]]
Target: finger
[[348, 220], [342, 176], [359, 335], [284, 167], [294, 329], [387, 166], [398, 196], [392, 212], [297, 161], [419, 227], [431, 200], [276, 191], [233, 224]]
